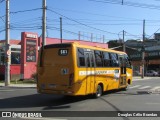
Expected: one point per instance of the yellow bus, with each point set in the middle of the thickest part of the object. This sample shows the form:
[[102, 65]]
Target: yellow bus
[[74, 69]]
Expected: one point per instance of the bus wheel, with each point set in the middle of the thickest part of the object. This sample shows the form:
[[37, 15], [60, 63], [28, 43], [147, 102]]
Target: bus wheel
[[98, 91]]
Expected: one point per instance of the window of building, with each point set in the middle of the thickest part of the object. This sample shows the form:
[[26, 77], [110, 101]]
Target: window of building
[[15, 58], [15, 55], [2, 60]]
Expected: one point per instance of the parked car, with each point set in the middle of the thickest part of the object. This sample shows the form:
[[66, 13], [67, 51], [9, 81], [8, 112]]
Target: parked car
[[151, 73]]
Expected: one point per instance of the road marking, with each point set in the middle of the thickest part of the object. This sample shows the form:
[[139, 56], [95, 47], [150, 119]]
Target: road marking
[[140, 79], [136, 86], [155, 88], [144, 87]]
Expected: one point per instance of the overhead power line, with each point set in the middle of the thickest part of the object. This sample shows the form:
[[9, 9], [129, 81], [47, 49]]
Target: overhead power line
[[26, 28], [129, 34], [82, 23], [95, 14], [25, 10], [154, 33], [1, 1], [2, 19], [2, 30], [113, 24], [28, 21], [133, 4]]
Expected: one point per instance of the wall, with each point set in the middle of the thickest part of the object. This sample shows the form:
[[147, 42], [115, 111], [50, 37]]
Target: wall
[[14, 72]]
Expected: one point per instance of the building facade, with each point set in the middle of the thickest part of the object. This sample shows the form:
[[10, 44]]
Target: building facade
[[134, 49]]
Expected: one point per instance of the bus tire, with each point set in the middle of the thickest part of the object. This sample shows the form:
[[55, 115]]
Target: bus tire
[[98, 91]]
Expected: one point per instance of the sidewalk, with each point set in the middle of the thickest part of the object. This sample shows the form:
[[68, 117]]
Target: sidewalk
[[137, 78], [19, 85]]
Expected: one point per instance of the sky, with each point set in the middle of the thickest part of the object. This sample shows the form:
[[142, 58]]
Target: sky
[[89, 19]]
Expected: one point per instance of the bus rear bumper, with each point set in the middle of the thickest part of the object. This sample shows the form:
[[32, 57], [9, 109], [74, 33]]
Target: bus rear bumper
[[58, 92]]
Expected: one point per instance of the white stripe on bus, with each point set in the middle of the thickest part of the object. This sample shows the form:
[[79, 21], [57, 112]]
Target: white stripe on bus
[[98, 72]]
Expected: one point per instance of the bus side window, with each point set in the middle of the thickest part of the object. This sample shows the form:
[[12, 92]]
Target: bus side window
[[114, 60], [121, 61], [106, 59], [92, 60], [88, 61], [128, 63], [81, 57], [98, 58]]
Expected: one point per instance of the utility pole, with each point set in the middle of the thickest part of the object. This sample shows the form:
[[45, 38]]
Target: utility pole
[[122, 2], [44, 23], [61, 29], [124, 47], [143, 49], [103, 38], [7, 47], [79, 35], [43, 29], [91, 37]]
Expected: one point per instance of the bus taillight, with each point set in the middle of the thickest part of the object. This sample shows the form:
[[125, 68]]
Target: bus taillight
[[71, 77]]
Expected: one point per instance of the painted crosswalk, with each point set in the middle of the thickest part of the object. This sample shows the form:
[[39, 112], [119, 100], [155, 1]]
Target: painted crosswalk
[[135, 86], [142, 87], [155, 88]]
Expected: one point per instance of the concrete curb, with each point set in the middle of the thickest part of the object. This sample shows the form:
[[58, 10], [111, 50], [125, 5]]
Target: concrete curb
[[19, 85], [145, 78]]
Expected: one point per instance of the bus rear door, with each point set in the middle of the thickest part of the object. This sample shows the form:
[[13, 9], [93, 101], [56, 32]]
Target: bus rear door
[[123, 76]]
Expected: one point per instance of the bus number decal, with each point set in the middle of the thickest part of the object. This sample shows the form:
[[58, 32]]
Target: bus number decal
[[63, 52]]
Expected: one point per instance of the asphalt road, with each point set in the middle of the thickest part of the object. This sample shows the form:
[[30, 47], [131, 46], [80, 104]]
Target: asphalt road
[[141, 96]]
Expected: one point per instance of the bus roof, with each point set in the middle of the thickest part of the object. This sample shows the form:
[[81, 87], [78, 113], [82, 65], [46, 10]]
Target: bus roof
[[98, 48], [77, 44]]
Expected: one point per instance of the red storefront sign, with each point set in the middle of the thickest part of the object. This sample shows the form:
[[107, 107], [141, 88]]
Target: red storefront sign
[[29, 54]]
